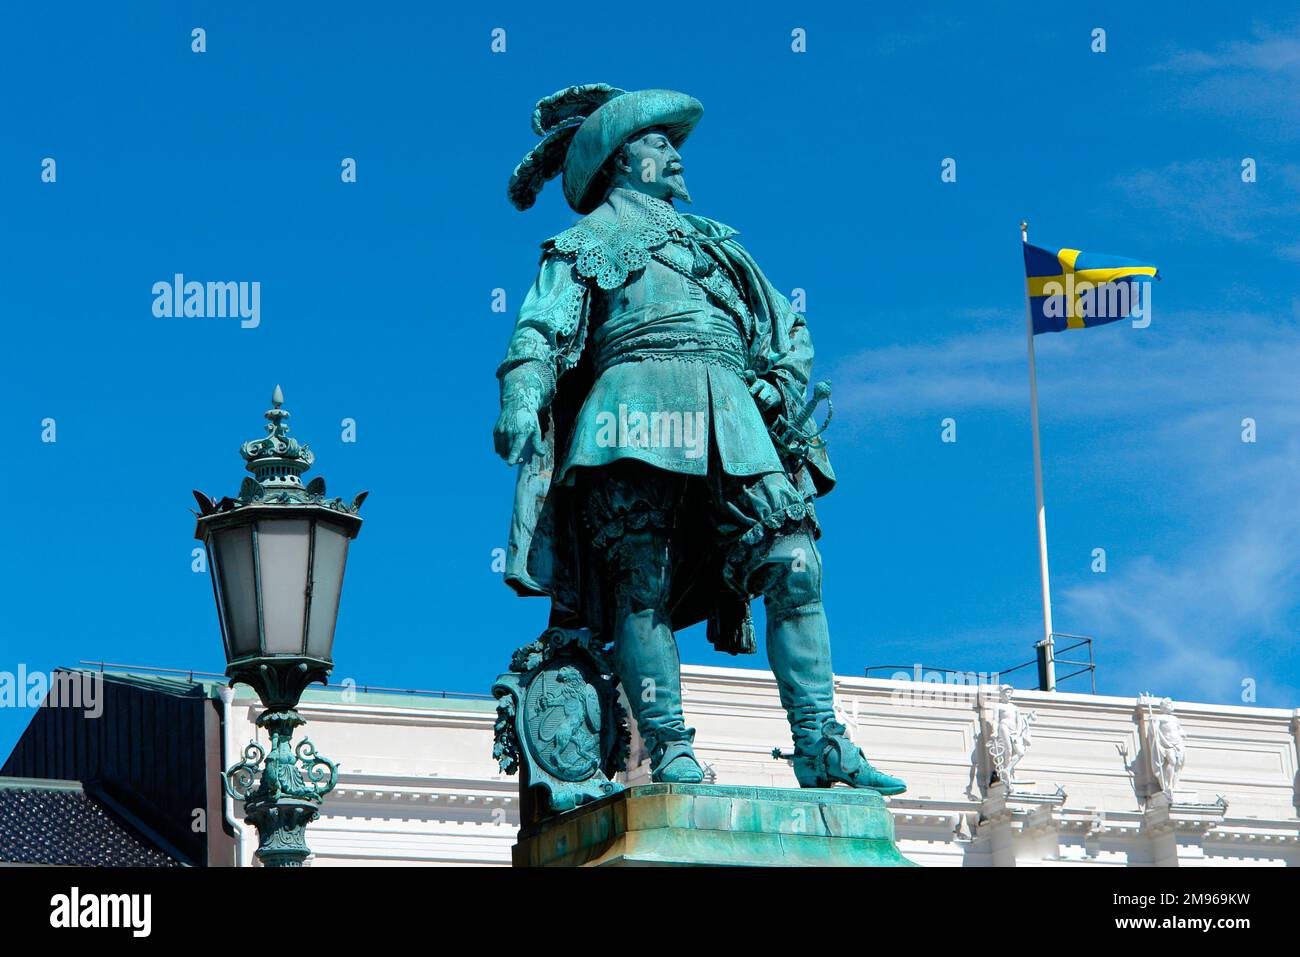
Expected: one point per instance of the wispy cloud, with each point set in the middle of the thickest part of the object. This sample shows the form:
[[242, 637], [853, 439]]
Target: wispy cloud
[[1209, 196], [977, 370], [1253, 81], [1258, 77], [1205, 194], [1265, 53], [1215, 612], [1177, 370]]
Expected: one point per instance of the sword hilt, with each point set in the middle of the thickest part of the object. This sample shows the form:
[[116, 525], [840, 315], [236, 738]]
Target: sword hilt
[[795, 434], [821, 393]]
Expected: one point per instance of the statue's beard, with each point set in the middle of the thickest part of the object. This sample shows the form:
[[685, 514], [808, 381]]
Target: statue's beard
[[677, 187]]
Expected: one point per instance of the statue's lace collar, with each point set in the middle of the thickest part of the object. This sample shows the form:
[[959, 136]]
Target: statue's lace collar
[[659, 212], [612, 243]]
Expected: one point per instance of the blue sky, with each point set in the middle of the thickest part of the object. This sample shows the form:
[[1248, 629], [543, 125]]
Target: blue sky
[[375, 305]]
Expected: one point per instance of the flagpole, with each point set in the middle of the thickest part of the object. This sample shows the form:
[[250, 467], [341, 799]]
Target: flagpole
[[1046, 649]]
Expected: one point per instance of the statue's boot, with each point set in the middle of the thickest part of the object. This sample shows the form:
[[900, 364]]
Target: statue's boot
[[837, 760], [799, 652], [672, 760], [645, 654]]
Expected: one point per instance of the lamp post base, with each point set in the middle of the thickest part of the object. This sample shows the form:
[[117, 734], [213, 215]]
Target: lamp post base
[[282, 830]]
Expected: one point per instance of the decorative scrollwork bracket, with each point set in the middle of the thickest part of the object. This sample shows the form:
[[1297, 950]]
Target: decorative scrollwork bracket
[[281, 789]]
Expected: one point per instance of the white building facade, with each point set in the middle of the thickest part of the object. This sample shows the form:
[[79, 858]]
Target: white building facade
[[418, 784]]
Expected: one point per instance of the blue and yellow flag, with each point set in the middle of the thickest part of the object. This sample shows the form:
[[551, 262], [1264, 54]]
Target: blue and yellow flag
[[1074, 290]]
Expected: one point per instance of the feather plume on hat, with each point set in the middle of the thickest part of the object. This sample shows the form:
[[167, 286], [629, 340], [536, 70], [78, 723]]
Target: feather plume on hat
[[556, 118]]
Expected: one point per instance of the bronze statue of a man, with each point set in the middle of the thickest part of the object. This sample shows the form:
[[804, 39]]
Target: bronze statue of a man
[[653, 395]]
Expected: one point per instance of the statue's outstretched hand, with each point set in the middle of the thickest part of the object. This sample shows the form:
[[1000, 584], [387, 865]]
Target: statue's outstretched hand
[[518, 433]]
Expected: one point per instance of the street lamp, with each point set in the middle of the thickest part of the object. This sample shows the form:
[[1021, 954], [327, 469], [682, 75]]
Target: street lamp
[[276, 554]]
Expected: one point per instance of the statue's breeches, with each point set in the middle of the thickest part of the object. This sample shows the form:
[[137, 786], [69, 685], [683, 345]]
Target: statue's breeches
[[739, 517], [764, 530]]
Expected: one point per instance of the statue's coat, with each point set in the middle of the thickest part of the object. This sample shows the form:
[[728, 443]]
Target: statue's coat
[[547, 553]]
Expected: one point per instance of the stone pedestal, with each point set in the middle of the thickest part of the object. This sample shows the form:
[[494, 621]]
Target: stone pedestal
[[1176, 826], [706, 824], [1018, 823]]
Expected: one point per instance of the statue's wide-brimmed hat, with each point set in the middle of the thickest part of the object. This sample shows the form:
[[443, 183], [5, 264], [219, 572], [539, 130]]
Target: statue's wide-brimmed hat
[[583, 126]]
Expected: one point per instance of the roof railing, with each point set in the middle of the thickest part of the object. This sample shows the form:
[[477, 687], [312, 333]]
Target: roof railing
[[191, 674], [1079, 641]]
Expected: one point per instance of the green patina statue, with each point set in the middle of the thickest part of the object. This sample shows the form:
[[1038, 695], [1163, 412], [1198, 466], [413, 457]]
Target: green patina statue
[[654, 396]]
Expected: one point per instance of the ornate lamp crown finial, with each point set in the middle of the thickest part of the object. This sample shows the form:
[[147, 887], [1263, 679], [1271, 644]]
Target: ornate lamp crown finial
[[277, 461]]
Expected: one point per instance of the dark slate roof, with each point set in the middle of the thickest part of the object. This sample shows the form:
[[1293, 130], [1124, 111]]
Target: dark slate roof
[[57, 822]]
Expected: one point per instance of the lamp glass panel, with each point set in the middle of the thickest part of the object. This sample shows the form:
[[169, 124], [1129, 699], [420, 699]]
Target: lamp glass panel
[[282, 548], [234, 561], [327, 584]]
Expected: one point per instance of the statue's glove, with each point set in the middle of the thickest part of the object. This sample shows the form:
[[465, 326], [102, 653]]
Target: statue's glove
[[765, 394], [518, 432]]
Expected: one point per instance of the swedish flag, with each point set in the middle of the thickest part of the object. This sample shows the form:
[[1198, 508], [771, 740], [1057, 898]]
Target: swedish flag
[[1074, 290]]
